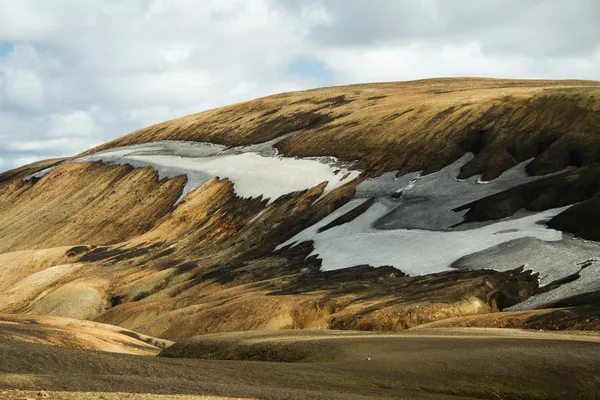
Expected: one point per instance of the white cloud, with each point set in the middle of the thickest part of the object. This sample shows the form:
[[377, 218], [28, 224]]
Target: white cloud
[[21, 21], [420, 61], [61, 146], [76, 123], [21, 88]]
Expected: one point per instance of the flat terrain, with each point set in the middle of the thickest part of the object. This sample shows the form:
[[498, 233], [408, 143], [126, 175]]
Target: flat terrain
[[34, 395], [417, 364]]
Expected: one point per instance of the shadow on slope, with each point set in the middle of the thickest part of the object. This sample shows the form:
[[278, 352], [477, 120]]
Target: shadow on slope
[[281, 346]]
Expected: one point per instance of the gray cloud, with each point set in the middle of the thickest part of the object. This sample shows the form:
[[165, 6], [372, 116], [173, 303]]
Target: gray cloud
[[536, 27], [80, 72]]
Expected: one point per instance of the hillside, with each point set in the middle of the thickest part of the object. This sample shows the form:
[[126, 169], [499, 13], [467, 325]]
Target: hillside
[[367, 207]]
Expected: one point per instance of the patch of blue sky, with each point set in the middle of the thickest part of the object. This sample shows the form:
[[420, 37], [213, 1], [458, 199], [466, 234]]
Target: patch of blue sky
[[310, 67], [5, 48]]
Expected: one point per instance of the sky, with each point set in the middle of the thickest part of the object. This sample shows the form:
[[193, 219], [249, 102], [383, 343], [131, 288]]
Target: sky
[[77, 73]]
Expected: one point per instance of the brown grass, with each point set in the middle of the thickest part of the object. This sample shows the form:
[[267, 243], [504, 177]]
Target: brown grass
[[208, 265], [83, 203], [410, 126]]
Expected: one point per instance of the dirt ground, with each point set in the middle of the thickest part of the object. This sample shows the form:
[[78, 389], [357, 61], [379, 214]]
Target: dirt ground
[[41, 394], [418, 364]]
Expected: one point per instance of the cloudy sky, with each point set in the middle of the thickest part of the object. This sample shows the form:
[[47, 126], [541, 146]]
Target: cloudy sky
[[76, 73]]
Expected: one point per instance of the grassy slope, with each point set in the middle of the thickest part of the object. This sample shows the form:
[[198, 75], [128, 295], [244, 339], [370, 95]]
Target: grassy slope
[[177, 272], [83, 203], [410, 126]]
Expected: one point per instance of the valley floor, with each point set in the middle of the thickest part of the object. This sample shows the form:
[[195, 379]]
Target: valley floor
[[34, 395], [443, 363]]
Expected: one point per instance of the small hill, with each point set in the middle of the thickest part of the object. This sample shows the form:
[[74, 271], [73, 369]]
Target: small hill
[[78, 334]]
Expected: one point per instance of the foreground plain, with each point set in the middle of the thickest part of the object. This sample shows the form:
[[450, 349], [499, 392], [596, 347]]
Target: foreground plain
[[417, 364]]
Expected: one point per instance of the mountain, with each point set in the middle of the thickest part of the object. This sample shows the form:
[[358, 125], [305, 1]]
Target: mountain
[[366, 207]]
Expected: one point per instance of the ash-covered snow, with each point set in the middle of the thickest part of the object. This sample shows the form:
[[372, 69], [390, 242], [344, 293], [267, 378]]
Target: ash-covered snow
[[589, 281], [39, 174], [553, 260], [427, 202], [252, 172], [411, 226], [384, 185], [413, 251]]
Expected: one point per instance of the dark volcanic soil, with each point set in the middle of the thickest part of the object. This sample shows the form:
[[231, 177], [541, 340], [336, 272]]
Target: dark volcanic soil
[[419, 364]]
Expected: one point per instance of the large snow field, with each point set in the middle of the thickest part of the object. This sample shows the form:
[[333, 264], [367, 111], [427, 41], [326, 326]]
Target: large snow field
[[411, 226], [413, 251]]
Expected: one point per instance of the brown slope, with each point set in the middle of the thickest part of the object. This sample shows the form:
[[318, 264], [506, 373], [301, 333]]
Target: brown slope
[[208, 265], [66, 332], [18, 394], [411, 126], [83, 203]]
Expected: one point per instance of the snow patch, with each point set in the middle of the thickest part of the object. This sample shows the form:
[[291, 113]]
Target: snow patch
[[412, 225], [587, 282], [39, 174], [252, 173], [413, 251]]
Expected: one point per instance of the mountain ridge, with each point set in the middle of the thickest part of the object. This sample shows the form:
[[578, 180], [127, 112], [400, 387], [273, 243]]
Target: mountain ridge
[[157, 234]]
